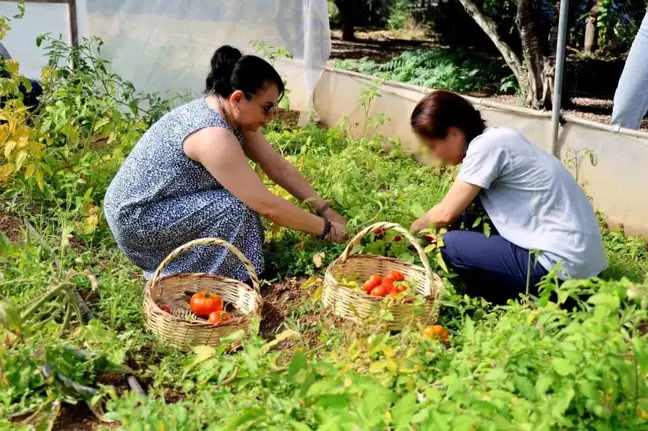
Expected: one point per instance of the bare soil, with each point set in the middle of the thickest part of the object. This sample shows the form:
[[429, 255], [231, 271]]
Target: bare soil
[[79, 418], [10, 226]]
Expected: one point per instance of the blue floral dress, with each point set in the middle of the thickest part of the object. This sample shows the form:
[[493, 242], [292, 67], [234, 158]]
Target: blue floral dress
[[160, 199]]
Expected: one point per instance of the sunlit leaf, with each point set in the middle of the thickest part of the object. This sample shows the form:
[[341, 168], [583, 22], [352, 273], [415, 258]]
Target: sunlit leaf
[[318, 259], [9, 146], [20, 159], [29, 170], [441, 263], [6, 171], [563, 367]]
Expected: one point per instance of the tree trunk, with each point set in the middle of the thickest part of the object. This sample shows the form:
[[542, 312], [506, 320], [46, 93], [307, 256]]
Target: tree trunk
[[590, 27], [345, 8], [490, 28], [539, 67]]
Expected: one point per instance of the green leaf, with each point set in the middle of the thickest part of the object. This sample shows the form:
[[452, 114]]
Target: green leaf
[[403, 411], [377, 366], [429, 248], [298, 426], [417, 210], [496, 374], [605, 299], [10, 317], [476, 223], [441, 263], [563, 367], [525, 387], [544, 383], [298, 362], [487, 230]]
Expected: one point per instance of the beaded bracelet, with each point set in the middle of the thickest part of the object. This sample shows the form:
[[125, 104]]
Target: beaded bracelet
[[327, 228]]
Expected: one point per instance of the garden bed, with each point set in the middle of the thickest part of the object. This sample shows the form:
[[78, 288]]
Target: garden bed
[[513, 367]]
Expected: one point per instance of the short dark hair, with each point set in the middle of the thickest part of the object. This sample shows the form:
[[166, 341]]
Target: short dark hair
[[440, 110], [231, 71]]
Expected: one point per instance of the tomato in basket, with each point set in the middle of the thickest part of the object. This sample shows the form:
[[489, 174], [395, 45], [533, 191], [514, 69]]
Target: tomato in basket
[[381, 290], [219, 317], [373, 281], [205, 302], [395, 276]]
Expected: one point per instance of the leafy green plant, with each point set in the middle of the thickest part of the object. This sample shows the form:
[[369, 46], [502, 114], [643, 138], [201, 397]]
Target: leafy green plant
[[441, 69], [273, 54]]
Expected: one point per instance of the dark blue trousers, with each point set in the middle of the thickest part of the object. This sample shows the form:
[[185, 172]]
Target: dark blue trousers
[[490, 266]]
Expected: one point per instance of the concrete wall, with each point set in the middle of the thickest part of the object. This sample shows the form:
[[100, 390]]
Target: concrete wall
[[617, 183]]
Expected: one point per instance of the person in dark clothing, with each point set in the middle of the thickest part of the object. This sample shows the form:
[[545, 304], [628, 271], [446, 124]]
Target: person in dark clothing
[[30, 97]]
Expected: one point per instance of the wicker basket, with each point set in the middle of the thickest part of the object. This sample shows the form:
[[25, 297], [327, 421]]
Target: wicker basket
[[175, 291], [357, 306]]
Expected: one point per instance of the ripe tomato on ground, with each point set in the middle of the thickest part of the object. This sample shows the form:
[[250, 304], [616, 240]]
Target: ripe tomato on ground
[[218, 317], [380, 290], [395, 276], [436, 331], [204, 303], [373, 281]]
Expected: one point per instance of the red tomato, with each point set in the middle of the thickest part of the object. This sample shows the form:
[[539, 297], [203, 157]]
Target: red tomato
[[380, 233], [379, 291], [430, 239], [397, 238], [393, 294], [395, 276], [167, 309], [436, 331], [388, 284], [217, 317], [204, 303], [372, 282]]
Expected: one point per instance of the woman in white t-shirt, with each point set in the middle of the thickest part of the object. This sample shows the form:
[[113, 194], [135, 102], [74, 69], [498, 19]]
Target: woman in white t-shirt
[[540, 216]]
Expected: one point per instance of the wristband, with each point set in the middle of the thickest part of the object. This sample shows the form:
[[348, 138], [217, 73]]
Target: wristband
[[327, 229]]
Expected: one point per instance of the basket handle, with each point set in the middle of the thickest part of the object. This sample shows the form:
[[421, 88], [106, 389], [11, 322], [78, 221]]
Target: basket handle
[[398, 228], [208, 241]]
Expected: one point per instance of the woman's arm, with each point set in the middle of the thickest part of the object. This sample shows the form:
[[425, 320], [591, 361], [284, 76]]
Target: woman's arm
[[282, 172], [220, 153], [455, 202]]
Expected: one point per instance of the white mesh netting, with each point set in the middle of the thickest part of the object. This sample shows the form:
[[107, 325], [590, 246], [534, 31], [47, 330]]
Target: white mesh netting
[[166, 45]]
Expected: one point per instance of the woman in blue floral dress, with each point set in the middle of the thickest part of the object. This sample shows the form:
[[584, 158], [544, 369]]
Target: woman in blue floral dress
[[189, 177]]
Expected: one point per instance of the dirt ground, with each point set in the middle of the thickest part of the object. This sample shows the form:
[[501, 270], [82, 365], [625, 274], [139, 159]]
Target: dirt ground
[[382, 45], [11, 227]]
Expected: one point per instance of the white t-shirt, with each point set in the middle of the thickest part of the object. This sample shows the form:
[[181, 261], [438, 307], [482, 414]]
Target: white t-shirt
[[534, 202]]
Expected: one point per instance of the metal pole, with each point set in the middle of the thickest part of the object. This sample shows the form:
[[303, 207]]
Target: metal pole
[[558, 78]]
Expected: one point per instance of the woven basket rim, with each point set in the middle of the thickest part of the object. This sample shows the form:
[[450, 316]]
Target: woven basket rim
[[155, 308]]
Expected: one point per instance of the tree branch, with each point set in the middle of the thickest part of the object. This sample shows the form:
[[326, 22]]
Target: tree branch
[[490, 28]]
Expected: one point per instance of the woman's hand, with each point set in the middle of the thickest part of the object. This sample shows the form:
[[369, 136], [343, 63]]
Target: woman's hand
[[337, 233], [420, 224], [334, 217]]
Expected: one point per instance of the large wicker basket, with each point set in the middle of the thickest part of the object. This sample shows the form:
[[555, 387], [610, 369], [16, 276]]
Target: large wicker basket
[[357, 306], [184, 330]]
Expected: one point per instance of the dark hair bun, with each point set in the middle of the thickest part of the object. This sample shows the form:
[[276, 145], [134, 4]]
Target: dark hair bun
[[231, 71], [223, 62]]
